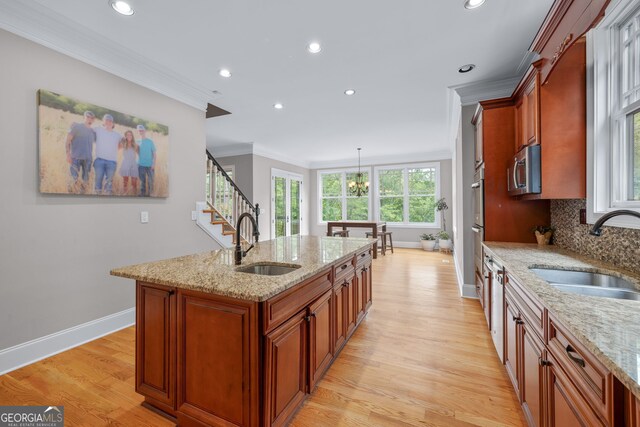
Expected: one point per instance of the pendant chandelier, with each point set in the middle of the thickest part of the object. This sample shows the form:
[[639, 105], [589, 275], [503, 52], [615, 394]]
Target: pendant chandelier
[[359, 187]]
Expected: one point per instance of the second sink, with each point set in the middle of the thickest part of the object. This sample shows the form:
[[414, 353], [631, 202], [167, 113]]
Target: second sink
[[268, 269]]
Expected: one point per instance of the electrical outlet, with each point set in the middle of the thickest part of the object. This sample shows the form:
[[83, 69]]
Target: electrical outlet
[[583, 216], [194, 215], [144, 217]]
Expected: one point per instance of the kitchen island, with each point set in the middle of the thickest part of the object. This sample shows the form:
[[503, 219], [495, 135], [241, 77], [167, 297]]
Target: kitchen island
[[217, 346]]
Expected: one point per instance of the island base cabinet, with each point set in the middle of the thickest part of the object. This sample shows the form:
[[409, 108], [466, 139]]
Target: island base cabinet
[[532, 381], [215, 387], [155, 345], [286, 369], [339, 325], [321, 350]]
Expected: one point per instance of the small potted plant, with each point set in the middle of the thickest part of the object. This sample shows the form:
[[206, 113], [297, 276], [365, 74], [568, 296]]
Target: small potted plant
[[543, 234], [428, 241], [444, 240]]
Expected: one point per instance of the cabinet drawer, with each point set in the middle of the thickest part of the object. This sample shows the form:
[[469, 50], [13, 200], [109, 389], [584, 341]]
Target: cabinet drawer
[[344, 270], [530, 308], [593, 380], [283, 306], [363, 257]]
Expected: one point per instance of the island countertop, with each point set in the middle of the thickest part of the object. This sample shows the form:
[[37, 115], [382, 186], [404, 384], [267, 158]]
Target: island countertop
[[609, 328], [215, 272]]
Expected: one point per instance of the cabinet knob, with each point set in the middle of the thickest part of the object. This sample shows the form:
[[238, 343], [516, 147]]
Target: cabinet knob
[[172, 291], [520, 322], [543, 362]]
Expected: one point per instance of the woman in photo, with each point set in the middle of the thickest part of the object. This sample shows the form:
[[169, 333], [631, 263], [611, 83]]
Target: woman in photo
[[129, 167]]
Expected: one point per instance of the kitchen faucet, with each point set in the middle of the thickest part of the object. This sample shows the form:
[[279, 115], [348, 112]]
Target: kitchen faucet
[[256, 234], [597, 227]]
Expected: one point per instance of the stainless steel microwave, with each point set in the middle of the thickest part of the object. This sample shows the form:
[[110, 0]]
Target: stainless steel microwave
[[523, 175]]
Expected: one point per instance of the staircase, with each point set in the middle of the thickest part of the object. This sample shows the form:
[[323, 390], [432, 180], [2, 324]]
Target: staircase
[[224, 205]]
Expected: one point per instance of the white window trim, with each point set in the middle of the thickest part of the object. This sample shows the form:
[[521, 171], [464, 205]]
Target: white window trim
[[344, 171], [602, 132], [406, 224]]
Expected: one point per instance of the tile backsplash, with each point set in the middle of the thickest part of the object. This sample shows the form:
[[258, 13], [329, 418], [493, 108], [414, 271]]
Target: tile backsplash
[[619, 246]]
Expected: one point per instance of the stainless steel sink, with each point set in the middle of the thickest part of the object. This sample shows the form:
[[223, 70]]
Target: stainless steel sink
[[268, 269], [594, 291], [588, 283]]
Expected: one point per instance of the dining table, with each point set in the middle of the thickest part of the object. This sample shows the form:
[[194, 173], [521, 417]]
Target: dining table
[[376, 228]]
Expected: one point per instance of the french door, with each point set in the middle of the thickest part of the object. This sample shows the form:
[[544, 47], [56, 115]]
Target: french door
[[286, 200]]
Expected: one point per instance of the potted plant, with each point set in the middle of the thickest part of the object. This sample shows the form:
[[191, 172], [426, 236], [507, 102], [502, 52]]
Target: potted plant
[[428, 241], [444, 240], [543, 234], [441, 206]]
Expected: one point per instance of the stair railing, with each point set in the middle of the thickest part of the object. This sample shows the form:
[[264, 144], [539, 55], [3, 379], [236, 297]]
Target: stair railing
[[225, 196]]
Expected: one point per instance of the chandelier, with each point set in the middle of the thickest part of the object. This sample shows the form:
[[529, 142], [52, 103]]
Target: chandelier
[[359, 187]]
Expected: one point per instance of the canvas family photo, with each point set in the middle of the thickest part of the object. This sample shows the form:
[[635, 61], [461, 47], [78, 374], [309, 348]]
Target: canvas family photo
[[87, 149]]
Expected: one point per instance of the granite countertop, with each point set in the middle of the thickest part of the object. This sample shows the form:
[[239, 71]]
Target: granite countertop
[[214, 272], [609, 328]]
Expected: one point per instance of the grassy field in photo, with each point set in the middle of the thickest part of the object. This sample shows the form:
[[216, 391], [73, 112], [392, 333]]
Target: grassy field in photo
[[54, 125]]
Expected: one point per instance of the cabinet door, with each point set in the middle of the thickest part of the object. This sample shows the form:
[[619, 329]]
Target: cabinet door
[[566, 407], [349, 299], [321, 345], [286, 369], [532, 112], [478, 141], [369, 286], [532, 380], [156, 345], [519, 114], [339, 324], [361, 292], [511, 340]]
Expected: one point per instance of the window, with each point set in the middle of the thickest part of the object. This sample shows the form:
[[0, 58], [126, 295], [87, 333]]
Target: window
[[408, 194], [337, 204], [614, 113]]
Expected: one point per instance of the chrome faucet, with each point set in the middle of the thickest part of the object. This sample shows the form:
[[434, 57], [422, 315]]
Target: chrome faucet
[[256, 234], [597, 227]]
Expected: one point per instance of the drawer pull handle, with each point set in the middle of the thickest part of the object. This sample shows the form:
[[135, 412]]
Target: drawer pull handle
[[577, 360], [363, 255], [343, 267]]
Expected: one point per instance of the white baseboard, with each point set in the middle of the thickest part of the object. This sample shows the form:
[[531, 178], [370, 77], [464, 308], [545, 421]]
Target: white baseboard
[[29, 352], [407, 245], [466, 290]]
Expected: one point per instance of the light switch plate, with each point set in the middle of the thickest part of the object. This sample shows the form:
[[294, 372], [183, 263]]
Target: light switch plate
[[194, 215], [144, 217]]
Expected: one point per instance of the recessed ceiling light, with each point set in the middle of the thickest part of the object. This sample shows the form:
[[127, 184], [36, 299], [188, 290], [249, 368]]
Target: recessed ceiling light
[[278, 106], [122, 7], [314, 47], [466, 68], [349, 92], [472, 4], [224, 72]]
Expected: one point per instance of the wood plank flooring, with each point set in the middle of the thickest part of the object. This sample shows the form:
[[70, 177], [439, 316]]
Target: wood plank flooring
[[422, 357]]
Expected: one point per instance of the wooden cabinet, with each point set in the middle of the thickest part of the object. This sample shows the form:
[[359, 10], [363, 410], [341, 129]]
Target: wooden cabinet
[[519, 120], [156, 345], [350, 294], [339, 309], [321, 345], [215, 387], [478, 141], [363, 290], [531, 103], [533, 360], [286, 369]]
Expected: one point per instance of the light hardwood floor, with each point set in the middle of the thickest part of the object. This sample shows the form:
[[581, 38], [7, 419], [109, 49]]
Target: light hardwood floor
[[422, 356]]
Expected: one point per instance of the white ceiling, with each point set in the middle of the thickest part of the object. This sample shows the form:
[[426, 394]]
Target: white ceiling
[[400, 57]]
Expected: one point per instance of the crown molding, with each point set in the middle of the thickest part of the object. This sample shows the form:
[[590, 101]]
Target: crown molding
[[485, 90], [274, 155], [385, 160], [57, 32]]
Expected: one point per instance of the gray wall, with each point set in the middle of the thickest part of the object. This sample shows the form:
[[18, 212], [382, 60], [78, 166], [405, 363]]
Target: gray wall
[[56, 251], [410, 235], [243, 169], [262, 192], [465, 170]]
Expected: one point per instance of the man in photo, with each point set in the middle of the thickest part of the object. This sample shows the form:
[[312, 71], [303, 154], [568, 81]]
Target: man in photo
[[146, 161], [107, 142], [79, 149]]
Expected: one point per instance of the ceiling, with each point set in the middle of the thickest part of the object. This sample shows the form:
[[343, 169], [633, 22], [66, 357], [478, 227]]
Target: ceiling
[[400, 57]]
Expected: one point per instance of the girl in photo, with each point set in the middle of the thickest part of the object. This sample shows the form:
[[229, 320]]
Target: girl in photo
[[129, 167]]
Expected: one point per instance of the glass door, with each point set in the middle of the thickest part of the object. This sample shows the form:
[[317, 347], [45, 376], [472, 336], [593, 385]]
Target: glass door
[[286, 200]]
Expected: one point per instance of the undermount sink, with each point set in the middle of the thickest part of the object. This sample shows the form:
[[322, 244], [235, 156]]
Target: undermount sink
[[588, 283], [268, 269]]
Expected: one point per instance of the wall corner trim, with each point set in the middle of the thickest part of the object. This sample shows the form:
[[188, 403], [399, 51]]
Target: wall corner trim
[[24, 354], [466, 290]]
